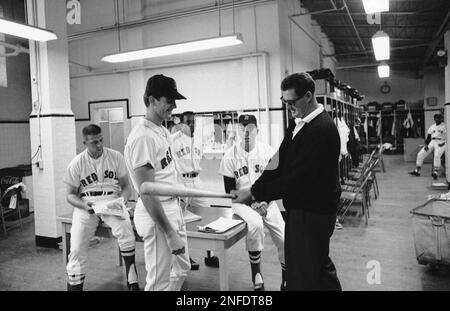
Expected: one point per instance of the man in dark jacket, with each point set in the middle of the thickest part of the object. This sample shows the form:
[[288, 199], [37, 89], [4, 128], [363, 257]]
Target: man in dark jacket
[[304, 173]]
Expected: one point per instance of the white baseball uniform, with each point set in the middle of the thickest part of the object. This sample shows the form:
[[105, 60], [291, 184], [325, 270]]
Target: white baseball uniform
[[97, 180], [149, 143], [246, 168], [437, 143], [188, 154]]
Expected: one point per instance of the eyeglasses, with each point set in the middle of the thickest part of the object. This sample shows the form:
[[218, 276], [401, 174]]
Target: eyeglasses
[[289, 101]]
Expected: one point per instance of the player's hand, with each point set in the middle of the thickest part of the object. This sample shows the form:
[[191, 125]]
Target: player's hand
[[175, 243], [89, 208], [242, 196], [260, 208]]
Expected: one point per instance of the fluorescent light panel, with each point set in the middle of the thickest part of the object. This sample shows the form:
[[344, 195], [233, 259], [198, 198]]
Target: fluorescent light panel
[[178, 48], [383, 70], [26, 31], [381, 45], [374, 6]]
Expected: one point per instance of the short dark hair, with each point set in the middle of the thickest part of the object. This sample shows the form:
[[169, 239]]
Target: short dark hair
[[91, 129], [438, 116], [186, 113], [300, 82]]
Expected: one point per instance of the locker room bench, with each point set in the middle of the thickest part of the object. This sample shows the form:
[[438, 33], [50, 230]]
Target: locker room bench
[[218, 243]]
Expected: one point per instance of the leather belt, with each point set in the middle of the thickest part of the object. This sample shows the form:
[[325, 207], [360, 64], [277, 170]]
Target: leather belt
[[438, 138], [190, 175], [95, 193]]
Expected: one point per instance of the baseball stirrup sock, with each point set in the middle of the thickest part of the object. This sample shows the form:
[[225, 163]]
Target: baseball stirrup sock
[[255, 264], [283, 275], [75, 282], [130, 266]]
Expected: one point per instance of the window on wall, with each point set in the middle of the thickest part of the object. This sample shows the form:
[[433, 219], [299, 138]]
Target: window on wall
[[3, 77]]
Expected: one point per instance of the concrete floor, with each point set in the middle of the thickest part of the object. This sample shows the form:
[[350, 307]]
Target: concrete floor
[[388, 239]]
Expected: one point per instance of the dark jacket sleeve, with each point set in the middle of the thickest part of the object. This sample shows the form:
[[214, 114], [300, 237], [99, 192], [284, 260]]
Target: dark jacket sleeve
[[319, 153], [273, 168], [281, 185]]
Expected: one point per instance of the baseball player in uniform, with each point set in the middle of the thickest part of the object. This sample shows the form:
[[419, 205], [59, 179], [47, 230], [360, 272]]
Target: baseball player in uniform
[[97, 174], [241, 165], [188, 153], [435, 140], [158, 219]]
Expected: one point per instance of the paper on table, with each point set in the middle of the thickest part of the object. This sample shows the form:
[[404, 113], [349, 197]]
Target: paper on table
[[220, 225], [114, 207], [190, 217]]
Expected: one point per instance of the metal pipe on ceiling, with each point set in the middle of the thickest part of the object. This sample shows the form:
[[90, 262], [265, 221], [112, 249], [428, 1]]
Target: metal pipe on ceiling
[[166, 17], [437, 39], [406, 47], [375, 64], [361, 44]]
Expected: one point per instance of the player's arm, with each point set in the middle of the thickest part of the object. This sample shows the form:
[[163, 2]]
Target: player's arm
[[126, 188], [74, 199], [154, 208], [427, 141]]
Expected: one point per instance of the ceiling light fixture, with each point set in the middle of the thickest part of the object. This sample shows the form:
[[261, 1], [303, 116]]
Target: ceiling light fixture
[[178, 48], [383, 70], [375, 6], [381, 45], [26, 31]]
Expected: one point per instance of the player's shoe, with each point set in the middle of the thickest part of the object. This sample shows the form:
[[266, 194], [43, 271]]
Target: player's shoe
[[75, 288], [414, 173], [434, 175], [194, 265], [134, 287], [258, 285], [212, 261], [283, 287]]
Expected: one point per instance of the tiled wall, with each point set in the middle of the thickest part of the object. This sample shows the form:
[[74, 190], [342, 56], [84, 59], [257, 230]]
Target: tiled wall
[[14, 144]]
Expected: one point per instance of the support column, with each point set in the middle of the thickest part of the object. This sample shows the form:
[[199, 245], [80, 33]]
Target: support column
[[447, 104], [52, 122]]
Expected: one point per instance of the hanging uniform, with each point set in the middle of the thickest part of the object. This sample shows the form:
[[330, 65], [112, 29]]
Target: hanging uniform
[[149, 143], [246, 168]]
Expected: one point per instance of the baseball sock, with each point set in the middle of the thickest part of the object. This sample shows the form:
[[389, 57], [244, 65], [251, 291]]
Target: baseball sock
[[75, 282], [130, 268], [283, 277], [255, 264]]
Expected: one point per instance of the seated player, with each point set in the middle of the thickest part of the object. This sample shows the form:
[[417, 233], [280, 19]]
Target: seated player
[[241, 165]]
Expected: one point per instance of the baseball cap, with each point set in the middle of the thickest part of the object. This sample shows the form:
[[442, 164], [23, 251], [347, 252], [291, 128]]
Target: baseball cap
[[160, 85], [246, 119]]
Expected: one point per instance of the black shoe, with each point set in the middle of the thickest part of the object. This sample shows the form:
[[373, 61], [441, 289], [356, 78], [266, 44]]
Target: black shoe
[[283, 287], [434, 175], [212, 261], [414, 173], [75, 288], [134, 287], [194, 265]]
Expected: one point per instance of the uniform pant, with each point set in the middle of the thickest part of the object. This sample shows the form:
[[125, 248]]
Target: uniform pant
[[438, 152], [165, 271], [83, 230], [255, 224], [195, 183], [307, 244]]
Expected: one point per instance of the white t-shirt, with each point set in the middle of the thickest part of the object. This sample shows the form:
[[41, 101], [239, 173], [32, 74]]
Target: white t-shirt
[[187, 153], [437, 131], [245, 167], [101, 174], [149, 143]]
